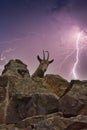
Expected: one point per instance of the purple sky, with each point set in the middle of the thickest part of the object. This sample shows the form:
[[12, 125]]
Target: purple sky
[[29, 26]]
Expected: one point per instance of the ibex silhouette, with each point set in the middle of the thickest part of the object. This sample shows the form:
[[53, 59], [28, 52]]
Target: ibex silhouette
[[43, 65]]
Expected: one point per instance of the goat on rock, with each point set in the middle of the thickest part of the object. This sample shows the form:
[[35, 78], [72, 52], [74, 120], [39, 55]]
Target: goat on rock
[[43, 65]]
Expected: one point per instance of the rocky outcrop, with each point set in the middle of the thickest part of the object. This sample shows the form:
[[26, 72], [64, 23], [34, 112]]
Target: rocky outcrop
[[16, 68], [24, 98], [48, 103], [56, 84], [74, 102]]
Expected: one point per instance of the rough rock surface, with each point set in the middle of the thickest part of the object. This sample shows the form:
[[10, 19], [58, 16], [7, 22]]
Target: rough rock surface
[[49, 122], [21, 98], [36, 104], [16, 68], [56, 84], [74, 102], [49, 103], [3, 98]]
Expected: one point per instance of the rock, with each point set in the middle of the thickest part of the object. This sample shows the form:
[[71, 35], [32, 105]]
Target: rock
[[12, 115], [36, 104], [74, 102], [25, 98], [16, 68], [69, 106], [54, 122], [56, 84], [9, 127], [2, 94], [25, 87], [3, 98], [49, 122]]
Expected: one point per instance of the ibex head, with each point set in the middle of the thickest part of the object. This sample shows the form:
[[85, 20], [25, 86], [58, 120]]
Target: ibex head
[[43, 65], [45, 61]]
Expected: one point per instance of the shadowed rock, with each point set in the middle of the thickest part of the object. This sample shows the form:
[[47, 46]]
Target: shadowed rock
[[27, 98], [74, 102]]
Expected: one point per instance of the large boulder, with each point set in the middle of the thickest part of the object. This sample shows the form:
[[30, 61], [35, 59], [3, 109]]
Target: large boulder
[[35, 104], [56, 84], [74, 101], [30, 98], [21, 98], [16, 68]]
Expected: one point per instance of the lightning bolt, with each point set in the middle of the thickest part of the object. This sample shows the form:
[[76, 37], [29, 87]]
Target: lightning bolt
[[77, 54], [66, 58]]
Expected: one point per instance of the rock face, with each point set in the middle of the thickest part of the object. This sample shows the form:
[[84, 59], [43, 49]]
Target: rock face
[[16, 68], [3, 98], [56, 84], [24, 98], [48, 103], [74, 102]]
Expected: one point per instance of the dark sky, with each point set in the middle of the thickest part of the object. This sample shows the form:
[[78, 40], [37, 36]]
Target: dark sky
[[29, 26]]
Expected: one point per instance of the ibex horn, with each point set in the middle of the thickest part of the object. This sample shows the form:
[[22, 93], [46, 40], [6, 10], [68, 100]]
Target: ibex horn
[[39, 58], [47, 55], [43, 55]]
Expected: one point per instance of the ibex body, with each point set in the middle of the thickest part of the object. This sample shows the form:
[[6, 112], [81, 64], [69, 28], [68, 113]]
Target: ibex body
[[43, 65]]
